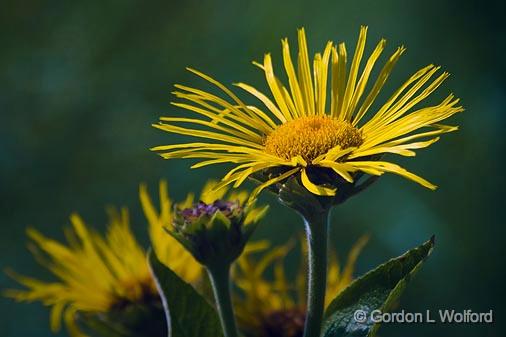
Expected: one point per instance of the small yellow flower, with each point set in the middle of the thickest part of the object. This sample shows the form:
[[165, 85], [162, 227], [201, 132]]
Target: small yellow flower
[[97, 274], [94, 273], [266, 307], [319, 122]]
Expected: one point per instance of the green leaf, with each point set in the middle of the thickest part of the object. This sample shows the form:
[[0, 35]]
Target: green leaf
[[188, 313], [379, 289]]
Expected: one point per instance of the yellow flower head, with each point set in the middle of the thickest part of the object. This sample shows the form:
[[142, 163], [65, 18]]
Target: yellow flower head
[[94, 273], [275, 306], [317, 122], [98, 274]]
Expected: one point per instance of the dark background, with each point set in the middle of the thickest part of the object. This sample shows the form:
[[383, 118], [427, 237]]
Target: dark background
[[81, 82]]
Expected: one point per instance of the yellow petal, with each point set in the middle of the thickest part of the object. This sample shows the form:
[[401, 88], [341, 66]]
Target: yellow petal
[[316, 189]]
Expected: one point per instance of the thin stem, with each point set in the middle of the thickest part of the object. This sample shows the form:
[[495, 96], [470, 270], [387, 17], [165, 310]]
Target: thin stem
[[220, 281], [317, 237]]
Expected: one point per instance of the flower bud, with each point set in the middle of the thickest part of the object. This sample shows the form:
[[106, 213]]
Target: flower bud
[[215, 232]]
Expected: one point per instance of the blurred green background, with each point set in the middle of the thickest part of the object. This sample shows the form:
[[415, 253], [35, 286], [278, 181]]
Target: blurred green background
[[81, 82]]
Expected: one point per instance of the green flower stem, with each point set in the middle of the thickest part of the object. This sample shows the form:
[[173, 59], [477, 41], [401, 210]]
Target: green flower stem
[[317, 225], [220, 280]]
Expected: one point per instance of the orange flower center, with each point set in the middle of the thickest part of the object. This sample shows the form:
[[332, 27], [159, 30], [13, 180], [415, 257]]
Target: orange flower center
[[311, 137]]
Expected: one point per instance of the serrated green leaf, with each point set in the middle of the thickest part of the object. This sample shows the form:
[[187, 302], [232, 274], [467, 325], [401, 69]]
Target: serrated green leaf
[[377, 290], [188, 313]]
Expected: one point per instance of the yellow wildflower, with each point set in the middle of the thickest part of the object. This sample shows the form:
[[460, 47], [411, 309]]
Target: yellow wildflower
[[318, 123]]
